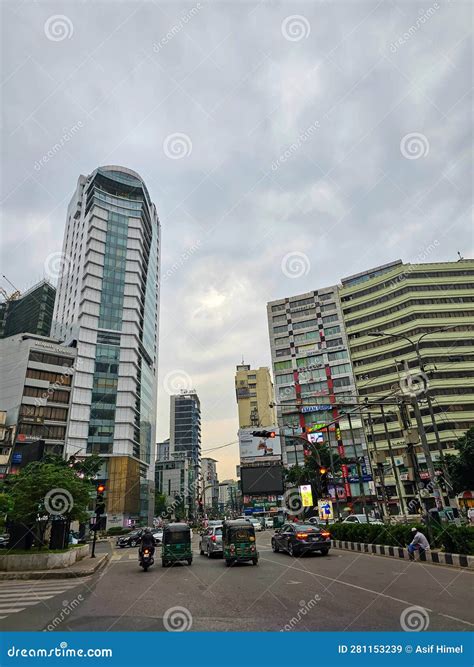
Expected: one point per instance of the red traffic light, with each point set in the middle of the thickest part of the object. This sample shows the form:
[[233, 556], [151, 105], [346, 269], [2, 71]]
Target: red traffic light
[[272, 434], [101, 488], [323, 471]]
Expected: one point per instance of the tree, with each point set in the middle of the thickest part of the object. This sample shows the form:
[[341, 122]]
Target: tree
[[160, 504], [461, 467], [47, 489]]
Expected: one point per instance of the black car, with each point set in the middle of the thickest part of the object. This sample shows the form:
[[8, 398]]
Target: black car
[[300, 538], [132, 539]]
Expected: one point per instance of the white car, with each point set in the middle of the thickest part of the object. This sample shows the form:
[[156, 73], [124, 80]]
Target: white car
[[361, 518], [256, 524], [158, 535]]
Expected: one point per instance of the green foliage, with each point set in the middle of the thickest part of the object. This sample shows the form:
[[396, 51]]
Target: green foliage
[[461, 467], [118, 530], [160, 504], [451, 538], [6, 503], [29, 491]]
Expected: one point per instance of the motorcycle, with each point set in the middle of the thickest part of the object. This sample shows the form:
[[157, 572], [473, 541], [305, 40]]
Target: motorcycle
[[146, 559]]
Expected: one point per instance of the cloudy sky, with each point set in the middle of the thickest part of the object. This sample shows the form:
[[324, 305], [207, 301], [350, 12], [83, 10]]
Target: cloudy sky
[[285, 144]]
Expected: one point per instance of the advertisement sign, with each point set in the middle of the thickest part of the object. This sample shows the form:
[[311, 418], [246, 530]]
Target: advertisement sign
[[251, 447], [306, 495], [325, 509], [316, 408], [316, 438]]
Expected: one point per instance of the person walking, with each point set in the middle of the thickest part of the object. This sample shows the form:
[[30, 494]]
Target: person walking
[[419, 543]]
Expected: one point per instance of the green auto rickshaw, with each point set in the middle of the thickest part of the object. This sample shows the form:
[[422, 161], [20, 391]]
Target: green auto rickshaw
[[238, 540], [176, 544]]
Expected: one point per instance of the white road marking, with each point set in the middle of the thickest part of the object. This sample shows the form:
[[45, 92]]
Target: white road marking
[[457, 619]]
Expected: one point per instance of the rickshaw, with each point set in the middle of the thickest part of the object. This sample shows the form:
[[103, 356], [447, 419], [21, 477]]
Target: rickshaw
[[238, 539], [176, 545]]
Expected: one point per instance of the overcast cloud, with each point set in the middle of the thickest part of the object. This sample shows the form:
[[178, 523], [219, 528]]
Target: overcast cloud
[[293, 119]]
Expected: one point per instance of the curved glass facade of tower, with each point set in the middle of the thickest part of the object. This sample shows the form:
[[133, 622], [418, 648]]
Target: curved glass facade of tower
[[108, 303]]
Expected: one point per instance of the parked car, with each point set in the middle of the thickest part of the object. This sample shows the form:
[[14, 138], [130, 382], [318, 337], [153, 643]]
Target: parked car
[[299, 538], [256, 525], [158, 535], [214, 522], [268, 521], [361, 518], [4, 539], [210, 542]]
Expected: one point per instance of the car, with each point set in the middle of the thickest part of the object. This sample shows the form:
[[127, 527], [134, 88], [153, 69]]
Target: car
[[299, 538], [130, 540], [361, 518], [4, 539], [158, 535], [256, 524], [214, 522], [210, 542], [268, 522]]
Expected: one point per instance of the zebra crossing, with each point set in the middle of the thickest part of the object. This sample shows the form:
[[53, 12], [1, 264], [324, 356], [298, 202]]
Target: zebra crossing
[[18, 595]]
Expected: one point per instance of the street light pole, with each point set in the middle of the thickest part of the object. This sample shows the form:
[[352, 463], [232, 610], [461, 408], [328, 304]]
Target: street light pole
[[359, 471], [392, 459], [333, 473], [419, 421]]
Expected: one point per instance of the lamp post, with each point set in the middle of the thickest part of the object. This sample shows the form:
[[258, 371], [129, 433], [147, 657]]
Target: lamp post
[[419, 421]]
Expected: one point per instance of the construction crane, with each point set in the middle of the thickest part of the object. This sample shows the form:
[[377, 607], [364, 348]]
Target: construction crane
[[14, 295]]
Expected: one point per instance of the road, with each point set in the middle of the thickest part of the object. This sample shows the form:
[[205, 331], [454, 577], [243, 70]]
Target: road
[[343, 591]]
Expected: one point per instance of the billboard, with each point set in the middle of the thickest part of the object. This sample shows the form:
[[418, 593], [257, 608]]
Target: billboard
[[306, 495], [262, 479], [251, 447]]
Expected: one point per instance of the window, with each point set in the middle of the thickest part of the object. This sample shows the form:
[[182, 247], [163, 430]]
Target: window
[[340, 370], [326, 308], [304, 313], [334, 356], [309, 335], [326, 297], [330, 331], [280, 329], [286, 378], [301, 302], [341, 382], [305, 324], [47, 376], [334, 342], [282, 365], [283, 352], [330, 318], [277, 307], [279, 318]]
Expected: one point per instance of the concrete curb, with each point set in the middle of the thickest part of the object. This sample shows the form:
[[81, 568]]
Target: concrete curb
[[66, 573], [433, 557]]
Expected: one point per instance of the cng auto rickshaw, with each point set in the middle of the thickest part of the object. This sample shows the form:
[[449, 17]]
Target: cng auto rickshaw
[[176, 545], [238, 540]]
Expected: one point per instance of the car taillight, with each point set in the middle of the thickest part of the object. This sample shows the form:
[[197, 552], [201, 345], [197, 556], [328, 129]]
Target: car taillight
[[301, 536], [213, 538], [325, 533]]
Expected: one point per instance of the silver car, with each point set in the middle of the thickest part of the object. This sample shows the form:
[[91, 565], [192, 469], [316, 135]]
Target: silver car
[[211, 542]]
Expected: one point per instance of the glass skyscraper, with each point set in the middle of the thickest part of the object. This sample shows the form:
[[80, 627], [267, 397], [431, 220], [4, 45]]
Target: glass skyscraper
[[108, 303]]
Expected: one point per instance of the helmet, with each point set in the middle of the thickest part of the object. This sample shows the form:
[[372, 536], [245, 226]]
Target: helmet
[[147, 530]]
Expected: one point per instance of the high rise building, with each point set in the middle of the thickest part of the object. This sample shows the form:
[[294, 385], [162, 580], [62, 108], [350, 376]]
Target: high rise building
[[404, 304], [163, 450], [107, 305], [185, 435], [254, 393], [314, 385], [210, 483], [37, 380], [30, 312]]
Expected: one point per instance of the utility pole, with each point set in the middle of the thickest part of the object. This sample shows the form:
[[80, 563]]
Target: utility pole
[[379, 469], [392, 459], [333, 473], [359, 470]]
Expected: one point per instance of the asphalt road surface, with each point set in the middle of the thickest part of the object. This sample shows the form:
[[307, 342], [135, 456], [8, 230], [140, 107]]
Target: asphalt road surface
[[342, 591]]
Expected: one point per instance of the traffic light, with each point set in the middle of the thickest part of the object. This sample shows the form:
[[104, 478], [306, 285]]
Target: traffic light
[[100, 500], [323, 476], [264, 434]]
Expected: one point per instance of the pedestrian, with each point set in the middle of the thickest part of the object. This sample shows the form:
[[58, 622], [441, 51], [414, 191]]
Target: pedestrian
[[470, 515], [418, 543]]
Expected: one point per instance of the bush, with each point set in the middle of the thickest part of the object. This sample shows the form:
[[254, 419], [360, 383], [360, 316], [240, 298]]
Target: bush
[[452, 539], [118, 530]]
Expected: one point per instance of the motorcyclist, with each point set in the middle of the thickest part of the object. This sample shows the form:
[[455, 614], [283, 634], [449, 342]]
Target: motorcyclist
[[147, 542]]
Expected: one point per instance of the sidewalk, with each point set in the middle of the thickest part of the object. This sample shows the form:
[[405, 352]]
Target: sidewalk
[[83, 568]]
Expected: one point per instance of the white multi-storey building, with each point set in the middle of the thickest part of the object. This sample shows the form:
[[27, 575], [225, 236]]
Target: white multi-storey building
[[314, 382], [107, 304]]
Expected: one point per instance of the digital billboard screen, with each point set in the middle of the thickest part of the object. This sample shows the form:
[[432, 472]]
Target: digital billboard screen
[[261, 479]]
